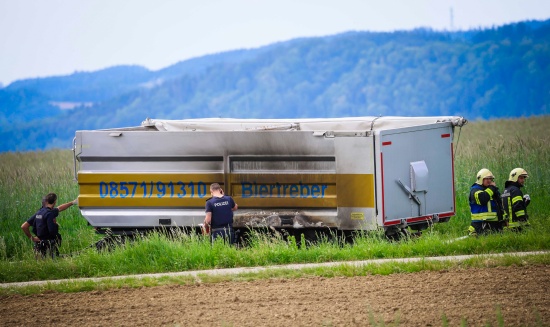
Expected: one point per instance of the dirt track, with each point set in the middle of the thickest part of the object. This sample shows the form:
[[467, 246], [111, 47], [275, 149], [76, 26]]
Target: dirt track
[[418, 299]]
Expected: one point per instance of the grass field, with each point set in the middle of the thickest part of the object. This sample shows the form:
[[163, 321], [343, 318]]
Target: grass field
[[499, 145]]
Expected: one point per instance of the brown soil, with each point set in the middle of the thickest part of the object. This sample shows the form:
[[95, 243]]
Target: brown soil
[[473, 296]]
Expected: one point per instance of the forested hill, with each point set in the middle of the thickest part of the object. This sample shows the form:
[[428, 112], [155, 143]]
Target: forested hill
[[487, 73]]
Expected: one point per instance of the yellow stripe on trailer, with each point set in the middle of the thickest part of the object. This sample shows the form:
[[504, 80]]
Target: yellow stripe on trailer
[[249, 190], [145, 189]]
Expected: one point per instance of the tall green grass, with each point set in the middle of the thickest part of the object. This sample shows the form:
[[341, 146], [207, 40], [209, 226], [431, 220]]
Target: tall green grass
[[158, 252], [502, 145], [499, 145], [24, 179]]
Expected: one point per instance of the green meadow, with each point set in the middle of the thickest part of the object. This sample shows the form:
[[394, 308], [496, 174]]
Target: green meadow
[[499, 145]]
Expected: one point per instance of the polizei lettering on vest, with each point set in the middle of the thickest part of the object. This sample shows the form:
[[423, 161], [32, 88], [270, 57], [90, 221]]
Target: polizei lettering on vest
[[253, 190], [219, 204]]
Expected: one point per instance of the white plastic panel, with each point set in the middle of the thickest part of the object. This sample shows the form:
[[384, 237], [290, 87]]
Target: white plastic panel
[[419, 176]]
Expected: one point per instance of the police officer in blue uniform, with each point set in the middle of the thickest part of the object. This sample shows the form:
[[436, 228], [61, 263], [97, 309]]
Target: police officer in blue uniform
[[45, 227], [219, 214]]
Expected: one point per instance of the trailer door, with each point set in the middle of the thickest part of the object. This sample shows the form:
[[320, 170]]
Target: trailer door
[[416, 173]]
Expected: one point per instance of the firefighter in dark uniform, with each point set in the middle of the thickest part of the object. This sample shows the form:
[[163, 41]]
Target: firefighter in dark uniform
[[45, 227], [485, 204], [514, 202], [219, 214]]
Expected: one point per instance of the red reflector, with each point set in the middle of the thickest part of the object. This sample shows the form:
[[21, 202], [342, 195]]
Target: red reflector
[[445, 135], [386, 143]]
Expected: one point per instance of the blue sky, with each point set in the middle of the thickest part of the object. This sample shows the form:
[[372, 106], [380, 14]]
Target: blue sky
[[41, 38]]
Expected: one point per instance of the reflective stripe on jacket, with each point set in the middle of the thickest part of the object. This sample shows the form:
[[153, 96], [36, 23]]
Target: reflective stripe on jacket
[[482, 205], [514, 205]]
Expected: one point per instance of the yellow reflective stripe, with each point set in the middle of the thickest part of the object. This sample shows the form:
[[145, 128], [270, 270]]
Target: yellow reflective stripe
[[488, 191], [516, 199], [476, 196], [485, 216], [517, 224], [520, 213], [510, 213]]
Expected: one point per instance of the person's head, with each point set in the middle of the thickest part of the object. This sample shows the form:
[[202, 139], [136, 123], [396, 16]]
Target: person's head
[[484, 177], [50, 199], [518, 175], [215, 188]]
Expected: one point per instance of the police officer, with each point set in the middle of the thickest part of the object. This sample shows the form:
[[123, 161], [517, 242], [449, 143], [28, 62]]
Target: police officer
[[514, 202], [45, 226], [219, 214], [485, 204]]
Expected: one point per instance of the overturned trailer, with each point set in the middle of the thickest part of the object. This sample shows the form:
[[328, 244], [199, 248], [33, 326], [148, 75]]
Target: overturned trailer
[[301, 175]]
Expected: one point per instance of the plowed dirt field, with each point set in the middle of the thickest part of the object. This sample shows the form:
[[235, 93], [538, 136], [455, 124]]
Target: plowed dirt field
[[473, 296]]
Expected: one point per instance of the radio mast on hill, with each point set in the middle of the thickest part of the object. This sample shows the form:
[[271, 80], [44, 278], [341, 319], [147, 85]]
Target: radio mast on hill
[[452, 19]]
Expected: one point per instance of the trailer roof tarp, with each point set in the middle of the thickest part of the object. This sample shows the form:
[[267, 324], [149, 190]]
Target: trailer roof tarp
[[303, 124]]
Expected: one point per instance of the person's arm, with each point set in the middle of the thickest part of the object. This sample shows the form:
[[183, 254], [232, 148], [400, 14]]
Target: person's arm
[[66, 205], [208, 218], [518, 205], [26, 229], [234, 204], [481, 197]]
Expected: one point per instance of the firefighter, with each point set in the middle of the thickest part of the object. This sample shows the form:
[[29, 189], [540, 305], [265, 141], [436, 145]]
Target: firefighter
[[485, 204], [514, 202]]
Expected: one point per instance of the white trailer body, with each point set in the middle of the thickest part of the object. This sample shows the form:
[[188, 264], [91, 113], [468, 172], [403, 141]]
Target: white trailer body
[[360, 173]]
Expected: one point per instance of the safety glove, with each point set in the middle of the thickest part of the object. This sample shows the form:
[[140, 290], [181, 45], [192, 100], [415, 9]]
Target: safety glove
[[526, 199]]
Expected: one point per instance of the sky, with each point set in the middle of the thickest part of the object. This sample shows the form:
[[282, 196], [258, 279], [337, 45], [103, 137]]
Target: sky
[[41, 38]]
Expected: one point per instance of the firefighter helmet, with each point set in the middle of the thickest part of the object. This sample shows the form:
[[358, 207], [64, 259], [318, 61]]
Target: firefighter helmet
[[482, 174], [515, 173]]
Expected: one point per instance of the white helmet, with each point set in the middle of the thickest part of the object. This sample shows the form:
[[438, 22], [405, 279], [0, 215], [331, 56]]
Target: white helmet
[[482, 174], [516, 172]]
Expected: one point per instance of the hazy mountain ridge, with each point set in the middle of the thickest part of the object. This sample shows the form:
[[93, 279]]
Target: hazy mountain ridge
[[489, 73]]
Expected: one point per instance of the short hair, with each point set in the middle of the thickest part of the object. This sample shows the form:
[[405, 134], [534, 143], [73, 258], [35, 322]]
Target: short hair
[[50, 198], [215, 187]]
